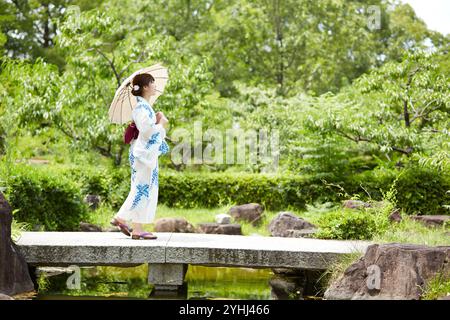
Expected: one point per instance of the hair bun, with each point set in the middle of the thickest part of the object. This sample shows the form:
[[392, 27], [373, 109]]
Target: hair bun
[[139, 82]]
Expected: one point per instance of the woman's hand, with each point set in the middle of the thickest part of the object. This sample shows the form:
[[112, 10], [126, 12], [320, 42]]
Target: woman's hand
[[161, 119]]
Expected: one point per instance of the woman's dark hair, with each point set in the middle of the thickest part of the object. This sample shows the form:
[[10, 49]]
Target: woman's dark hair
[[141, 80]]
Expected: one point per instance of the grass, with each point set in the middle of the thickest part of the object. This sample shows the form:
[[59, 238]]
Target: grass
[[414, 232], [337, 269], [437, 287], [17, 228]]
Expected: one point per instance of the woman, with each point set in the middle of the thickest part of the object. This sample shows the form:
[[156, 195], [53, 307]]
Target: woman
[[140, 205]]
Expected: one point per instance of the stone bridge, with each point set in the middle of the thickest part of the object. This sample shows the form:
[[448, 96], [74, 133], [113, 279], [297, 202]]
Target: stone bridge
[[169, 255]]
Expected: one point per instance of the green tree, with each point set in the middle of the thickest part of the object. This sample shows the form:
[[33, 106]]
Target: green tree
[[101, 52], [31, 26], [315, 46], [406, 32], [402, 107]]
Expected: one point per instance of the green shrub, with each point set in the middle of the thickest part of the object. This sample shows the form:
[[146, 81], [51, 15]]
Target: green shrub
[[120, 182], [423, 191], [419, 190], [359, 224], [44, 198], [92, 180], [111, 184], [346, 224]]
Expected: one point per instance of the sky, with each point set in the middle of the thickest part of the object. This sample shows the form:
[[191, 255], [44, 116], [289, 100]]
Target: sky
[[435, 13]]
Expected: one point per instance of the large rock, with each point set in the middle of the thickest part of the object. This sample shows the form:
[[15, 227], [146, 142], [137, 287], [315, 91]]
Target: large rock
[[92, 200], [217, 228], [355, 204], [14, 274], [5, 297], [285, 289], [391, 271], [53, 271], [250, 212], [38, 161], [395, 216], [223, 218], [173, 225], [307, 283], [89, 227], [287, 224], [432, 221]]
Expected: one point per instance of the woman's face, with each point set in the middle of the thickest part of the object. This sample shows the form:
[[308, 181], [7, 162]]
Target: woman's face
[[151, 89]]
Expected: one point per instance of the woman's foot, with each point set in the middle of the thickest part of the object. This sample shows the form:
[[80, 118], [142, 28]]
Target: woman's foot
[[125, 229], [143, 236]]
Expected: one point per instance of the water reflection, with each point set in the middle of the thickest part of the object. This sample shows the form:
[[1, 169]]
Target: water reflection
[[228, 283], [131, 283]]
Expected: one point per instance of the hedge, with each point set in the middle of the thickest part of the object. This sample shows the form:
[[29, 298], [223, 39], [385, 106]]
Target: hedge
[[418, 190], [44, 199], [274, 192]]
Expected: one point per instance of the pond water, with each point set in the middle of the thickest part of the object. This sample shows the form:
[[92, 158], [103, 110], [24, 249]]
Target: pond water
[[131, 283]]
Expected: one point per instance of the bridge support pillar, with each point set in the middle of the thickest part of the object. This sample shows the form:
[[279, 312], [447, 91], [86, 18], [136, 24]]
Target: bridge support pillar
[[167, 277]]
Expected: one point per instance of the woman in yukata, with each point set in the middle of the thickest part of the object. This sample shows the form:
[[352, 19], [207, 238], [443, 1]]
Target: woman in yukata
[[140, 205]]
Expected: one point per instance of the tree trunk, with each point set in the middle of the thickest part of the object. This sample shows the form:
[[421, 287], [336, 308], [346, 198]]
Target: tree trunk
[[188, 10], [46, 36], [279, 37], [406, 113], [118, 159]]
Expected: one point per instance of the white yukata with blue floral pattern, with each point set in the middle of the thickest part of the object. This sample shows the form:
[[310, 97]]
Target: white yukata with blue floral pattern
[[140, 205]]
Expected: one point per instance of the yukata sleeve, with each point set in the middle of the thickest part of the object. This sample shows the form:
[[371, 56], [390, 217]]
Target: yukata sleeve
[[153, 134]]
